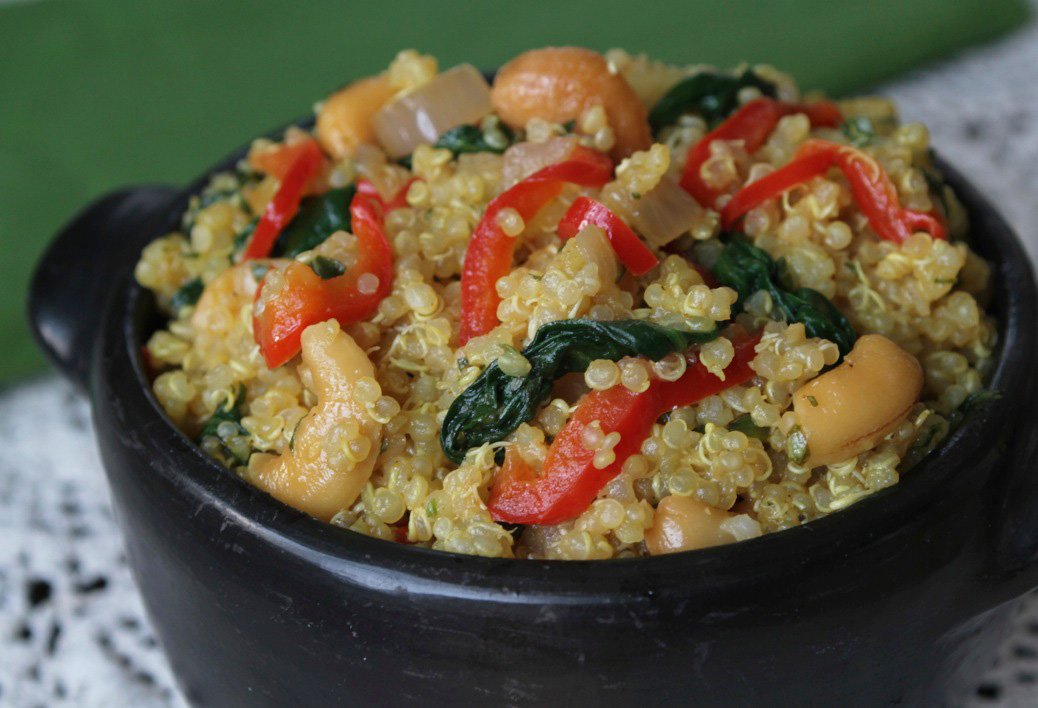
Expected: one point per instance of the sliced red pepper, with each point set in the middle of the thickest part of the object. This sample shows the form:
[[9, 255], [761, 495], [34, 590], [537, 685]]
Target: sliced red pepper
[[308, 299], [821, 114], [871, 187], [570, 481], [490, 250], [277, 160], [632, 252], [752, 124], [285, 204]]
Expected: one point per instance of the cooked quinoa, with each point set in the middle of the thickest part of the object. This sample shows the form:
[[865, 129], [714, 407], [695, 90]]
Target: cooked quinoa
[[734, 464]]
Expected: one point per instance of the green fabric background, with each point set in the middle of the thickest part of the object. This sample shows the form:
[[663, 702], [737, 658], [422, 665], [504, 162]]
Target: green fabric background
[[94, 95]]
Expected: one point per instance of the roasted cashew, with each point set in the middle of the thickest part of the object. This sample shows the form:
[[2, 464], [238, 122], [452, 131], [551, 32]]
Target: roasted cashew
[[335, 446]]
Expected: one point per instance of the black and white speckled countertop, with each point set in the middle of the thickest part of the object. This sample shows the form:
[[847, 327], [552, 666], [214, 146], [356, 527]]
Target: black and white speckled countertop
[[72, 628]]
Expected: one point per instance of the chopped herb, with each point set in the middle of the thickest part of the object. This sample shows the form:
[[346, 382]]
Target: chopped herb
[[979, 398], [430, 508], [229, 413], [569, 126], [472, 138], [708, 94], [327, 267], [636, 195], [318, 218], [796, 445], [495, 404], [187, 295], [748, 269], [745, 425], [859, 130], [463, 364], [813, 401]]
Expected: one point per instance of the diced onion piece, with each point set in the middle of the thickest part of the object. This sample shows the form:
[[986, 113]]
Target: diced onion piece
[[523, 159], [742, 527], [665, 213], [594, 246], [455, 97]]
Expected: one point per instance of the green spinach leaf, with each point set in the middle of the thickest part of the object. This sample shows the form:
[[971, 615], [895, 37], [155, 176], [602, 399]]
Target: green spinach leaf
[[187, 294], [230, 413], [472, 138], [748, 269], [327, 267], [243, 236], [709, 94], [745, 425], [859, 130], [496, 404], [318, 218]]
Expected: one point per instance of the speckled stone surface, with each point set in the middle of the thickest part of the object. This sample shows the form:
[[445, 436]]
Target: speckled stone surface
[[72, 628]]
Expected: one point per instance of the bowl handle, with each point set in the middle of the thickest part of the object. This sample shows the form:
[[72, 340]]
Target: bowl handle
[[79, 268]]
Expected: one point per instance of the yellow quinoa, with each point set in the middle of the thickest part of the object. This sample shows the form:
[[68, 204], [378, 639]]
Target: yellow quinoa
[[730, 451]]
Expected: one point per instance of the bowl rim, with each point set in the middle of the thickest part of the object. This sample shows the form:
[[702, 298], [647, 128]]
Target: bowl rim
[[881, 516]]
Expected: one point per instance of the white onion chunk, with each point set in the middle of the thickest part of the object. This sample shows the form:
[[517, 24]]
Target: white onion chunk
[[455, 97]]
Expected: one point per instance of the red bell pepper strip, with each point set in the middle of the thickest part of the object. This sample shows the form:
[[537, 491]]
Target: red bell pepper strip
[[873, 191], [277, 160], [490, 250], [285, 204], [307, 299], [632, 252], [752, 124], [570, 481]]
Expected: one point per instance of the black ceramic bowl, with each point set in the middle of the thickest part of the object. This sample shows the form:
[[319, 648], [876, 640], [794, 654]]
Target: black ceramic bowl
[[901, 597]]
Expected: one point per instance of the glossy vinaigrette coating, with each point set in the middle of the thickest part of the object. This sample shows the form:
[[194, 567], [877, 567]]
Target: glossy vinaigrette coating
[[766, 307]]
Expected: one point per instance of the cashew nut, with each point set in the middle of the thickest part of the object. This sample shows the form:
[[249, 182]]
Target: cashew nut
[[848, 410], [685, 524], [335, 446], [560, 83], [344, 120]]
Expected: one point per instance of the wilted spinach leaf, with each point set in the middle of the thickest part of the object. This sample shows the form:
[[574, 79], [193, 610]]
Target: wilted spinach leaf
[[496, 404], [471, 138], [748, 269], [859, 130], [243, 236], [327, 267], [318, 218], [187, 294], [230, 413], [709, 94], [745, 425]]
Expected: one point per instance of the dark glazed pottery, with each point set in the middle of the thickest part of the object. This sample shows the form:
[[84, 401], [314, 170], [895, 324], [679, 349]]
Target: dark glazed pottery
[[900, 598]]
